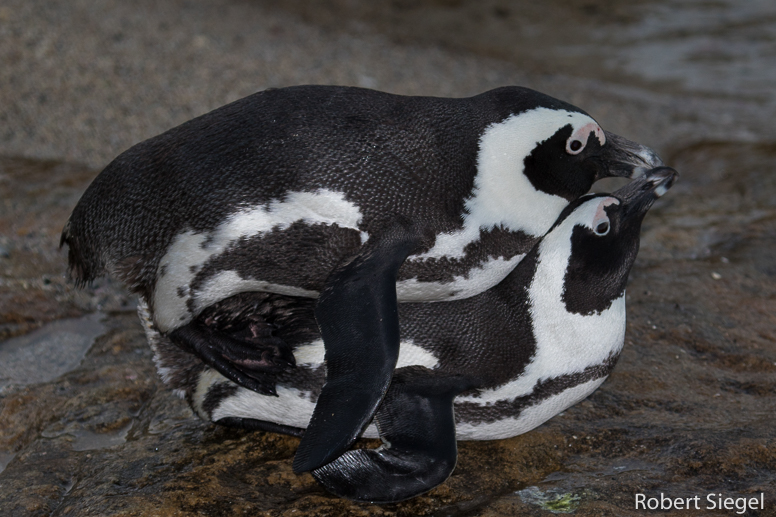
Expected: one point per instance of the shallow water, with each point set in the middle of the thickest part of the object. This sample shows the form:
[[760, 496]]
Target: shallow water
[[720, 48], [5, 459], [83, 440], [723, 49], [48, 352]]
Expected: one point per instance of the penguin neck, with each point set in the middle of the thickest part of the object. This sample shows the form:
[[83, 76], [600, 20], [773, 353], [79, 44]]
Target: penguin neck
[[578, 338], [596, 276], [533, 316], [502, 194]]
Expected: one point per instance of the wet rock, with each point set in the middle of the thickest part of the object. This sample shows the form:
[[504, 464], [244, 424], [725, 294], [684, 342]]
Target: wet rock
[[36, 198], [688, 410], [47, 353]]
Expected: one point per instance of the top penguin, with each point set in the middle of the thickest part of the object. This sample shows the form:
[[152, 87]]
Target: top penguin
[[360, 198]]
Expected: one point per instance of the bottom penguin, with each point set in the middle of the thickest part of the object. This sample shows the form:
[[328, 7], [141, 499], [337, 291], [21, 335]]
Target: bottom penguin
[[487, 367]]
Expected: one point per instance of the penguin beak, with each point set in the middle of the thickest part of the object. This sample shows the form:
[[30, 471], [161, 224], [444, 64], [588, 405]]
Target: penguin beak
[[628, 159], [638, 195]]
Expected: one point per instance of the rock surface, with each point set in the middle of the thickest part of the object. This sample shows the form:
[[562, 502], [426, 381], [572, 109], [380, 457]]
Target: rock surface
[[688, 411]]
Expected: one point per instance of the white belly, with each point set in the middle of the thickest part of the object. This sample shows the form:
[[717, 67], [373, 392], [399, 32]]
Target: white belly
[[528, 418]]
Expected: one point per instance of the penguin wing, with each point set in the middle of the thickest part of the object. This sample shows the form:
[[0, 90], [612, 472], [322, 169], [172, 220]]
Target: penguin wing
[[357, 314], [417, 425]]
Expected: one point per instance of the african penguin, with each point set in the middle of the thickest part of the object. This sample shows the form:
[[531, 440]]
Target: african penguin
[[506, 360], [355, 198]]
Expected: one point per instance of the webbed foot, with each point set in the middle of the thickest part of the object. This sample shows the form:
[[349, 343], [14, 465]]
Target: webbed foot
[[417, 426]]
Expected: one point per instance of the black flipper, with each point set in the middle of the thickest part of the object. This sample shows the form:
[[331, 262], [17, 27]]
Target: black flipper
[[417, 426], [246, 362], [358, 317]]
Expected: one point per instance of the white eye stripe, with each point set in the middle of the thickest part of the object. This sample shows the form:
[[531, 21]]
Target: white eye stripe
[[578, 139], [600, 221]]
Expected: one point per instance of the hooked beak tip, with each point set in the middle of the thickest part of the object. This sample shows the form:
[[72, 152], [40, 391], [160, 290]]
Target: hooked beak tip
[[639, 194], [651, 162], [663, 178], [632, 160]]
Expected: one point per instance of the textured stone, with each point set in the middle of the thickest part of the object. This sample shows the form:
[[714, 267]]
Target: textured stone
[[688, 410]]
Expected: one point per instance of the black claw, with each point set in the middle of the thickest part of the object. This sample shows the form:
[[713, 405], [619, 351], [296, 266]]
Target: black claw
[[251, 424], [248, 364]]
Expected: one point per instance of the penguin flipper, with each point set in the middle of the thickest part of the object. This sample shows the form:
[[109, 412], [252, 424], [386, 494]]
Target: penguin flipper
[[246, 363], [358, 318], [417, 425]]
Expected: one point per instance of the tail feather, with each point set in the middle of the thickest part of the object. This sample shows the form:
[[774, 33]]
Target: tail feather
[[83, 267], [89, 259]]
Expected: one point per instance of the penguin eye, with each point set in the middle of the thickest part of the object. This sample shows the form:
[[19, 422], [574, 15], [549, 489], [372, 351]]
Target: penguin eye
[[574, 146], [579, 139], [602, 228]]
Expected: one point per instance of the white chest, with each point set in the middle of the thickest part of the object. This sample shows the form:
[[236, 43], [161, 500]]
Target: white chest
[[566, 344]]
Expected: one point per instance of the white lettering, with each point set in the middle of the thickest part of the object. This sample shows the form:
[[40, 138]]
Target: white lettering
[[714, 502]]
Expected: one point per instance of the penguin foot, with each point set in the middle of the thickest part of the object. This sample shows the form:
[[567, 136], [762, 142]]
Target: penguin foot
[[245, 357], [417, 426]]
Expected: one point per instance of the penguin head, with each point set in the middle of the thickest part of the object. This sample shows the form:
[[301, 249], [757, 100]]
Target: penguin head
[[561, 149], [603, 233], [579, 153], [538, 154]]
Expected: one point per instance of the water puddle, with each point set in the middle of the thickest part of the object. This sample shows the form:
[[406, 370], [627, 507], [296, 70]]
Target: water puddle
[[85, 440], [723, 47], [89, 441], [5, 459], [69, 486], [706, 47], [165, 422], [583, 473], [48, 352]]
